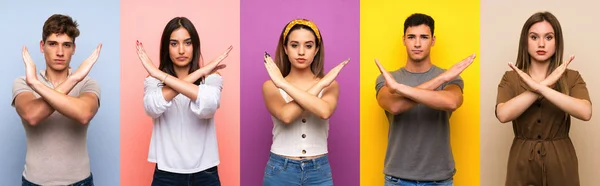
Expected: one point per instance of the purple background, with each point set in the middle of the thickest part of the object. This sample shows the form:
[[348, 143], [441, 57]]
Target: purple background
[[261, 24]]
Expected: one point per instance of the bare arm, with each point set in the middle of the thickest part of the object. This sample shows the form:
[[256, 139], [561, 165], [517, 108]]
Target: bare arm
[[396, 98], [578, 108], [81, 109], [185, 85], [34, 110], [449, 99], [514, 107], [397, 103], [322, 107], [285, 112]]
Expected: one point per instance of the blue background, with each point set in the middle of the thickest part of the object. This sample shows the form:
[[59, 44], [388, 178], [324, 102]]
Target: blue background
[[22, 23]]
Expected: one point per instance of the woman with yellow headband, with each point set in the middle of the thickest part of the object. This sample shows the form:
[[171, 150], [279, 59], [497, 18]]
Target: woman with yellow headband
[[300, 98]]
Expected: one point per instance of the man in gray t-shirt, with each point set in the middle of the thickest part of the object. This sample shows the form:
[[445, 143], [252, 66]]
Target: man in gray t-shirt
[[55, 106], [418, 100]]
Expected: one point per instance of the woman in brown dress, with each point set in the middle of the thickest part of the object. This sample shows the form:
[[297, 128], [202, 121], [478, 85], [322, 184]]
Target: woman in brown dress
[[539, 96]]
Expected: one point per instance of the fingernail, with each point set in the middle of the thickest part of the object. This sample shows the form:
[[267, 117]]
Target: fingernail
[[267, 54], [265, 61]]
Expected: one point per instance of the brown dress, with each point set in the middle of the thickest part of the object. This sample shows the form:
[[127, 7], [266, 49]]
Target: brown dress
[[542, 153]]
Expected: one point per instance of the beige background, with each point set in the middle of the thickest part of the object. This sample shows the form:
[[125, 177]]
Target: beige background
[[501, 23]]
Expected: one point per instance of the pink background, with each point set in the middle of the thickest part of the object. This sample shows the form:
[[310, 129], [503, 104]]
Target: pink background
[[218, 25]]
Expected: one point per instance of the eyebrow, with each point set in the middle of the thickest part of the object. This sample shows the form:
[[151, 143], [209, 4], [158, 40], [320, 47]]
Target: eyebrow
[[416, 35], [52, 41], [539, 34], [188, 39], [299, 42]]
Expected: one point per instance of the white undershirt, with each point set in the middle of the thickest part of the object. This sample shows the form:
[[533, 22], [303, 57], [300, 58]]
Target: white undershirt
[[184, 137]]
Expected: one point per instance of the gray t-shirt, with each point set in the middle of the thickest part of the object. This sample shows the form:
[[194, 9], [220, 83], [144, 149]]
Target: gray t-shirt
[[419, 138], [56, 147]]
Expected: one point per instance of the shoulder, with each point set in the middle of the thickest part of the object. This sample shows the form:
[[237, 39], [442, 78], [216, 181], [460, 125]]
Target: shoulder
[[572, 74], [435, 71], [268, 86], [151, 79], [19, 81], [334, 86], [214, 77], [88, 80], [510, 75]]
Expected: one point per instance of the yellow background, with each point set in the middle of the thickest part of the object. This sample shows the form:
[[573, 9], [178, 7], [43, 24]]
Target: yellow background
[[457, 36]]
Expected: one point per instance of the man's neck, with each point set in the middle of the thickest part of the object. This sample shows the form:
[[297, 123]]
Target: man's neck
[[418, 67], [57, 77]]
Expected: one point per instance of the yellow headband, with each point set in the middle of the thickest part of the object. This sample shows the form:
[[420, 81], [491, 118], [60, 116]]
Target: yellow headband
[[302, 22]]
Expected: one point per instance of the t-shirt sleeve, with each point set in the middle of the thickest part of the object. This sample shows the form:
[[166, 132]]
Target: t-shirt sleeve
[[505, 90], [578, 87], [456, 81], [91, 86], [19, 86], [379, 83]]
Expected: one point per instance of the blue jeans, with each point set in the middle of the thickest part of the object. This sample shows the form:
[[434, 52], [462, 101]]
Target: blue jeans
[[392, 181], [208, 177], [89, 181], [284, 171]]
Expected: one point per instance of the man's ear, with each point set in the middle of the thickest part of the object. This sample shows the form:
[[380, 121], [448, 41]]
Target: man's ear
[[42, 46]]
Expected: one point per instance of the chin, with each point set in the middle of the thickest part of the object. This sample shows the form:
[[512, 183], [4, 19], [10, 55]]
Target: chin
[[417, 59], [301, 66], [541, 58], [58, 67], [182, 64]]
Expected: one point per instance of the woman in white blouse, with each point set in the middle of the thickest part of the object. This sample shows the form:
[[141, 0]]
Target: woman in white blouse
[[300, 98], [181, 96]]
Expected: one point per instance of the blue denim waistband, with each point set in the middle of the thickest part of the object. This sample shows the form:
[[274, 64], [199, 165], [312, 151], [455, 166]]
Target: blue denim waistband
[[317, 162]]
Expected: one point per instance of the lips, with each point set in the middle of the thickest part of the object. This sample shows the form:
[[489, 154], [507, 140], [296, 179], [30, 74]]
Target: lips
[[417, 51], [540, 52], [300, 60], [60, 61], [183, 58]]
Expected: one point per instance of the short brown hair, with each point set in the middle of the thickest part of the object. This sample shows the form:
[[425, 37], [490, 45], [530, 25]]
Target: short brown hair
[[60, 24]]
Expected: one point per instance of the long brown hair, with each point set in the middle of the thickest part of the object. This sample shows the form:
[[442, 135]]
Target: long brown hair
[[282, 60], [166, 65], [523, 57]]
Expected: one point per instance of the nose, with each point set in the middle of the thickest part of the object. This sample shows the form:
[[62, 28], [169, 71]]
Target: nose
[[301, 51], [181, 50], [60, 51], [418, 43], [541, 43]]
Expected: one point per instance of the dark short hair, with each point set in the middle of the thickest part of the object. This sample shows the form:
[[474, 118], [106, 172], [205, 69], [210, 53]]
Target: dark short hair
[[419, 19]]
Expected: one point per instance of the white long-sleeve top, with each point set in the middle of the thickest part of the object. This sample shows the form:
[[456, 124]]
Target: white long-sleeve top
[[184, 138]]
